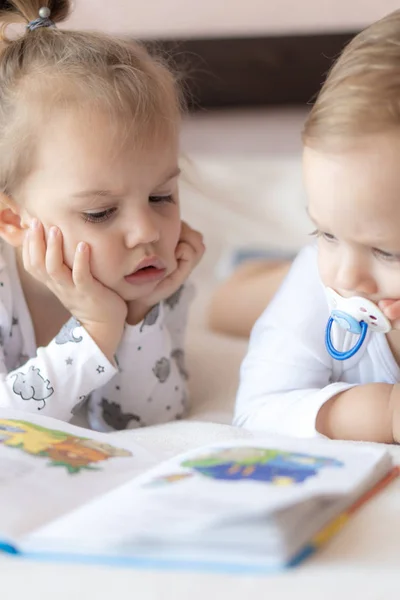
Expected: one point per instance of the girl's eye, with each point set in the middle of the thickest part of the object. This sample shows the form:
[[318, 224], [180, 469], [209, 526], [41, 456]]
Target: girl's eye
[[388, 256], [160, 199], [99, 217]]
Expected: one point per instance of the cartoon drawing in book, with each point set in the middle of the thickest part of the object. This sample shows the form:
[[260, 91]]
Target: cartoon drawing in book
[[59, 448], [256, 464]]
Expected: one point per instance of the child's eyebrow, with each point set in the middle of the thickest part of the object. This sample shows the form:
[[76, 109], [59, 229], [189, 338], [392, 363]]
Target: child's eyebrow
[[91, 193], [175, 173], [108, 194]]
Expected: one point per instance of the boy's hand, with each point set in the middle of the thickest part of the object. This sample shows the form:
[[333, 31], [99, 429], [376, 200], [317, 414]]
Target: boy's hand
[[189, 251], [100, 310], [394, 405], [391, 310]]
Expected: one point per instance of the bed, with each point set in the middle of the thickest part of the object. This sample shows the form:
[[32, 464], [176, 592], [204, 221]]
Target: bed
[[234, 200]]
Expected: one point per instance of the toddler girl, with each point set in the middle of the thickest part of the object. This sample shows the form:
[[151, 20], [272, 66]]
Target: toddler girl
[[94, 258]]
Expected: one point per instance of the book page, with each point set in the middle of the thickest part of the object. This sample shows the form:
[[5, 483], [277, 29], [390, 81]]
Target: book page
[[216, 494], [48, 468]]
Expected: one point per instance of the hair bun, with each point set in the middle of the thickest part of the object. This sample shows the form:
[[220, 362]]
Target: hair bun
[[28, 10], [6, 5]]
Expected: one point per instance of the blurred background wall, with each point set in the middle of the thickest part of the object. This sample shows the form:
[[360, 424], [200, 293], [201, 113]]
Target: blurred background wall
[[216, 18], [240, 53]]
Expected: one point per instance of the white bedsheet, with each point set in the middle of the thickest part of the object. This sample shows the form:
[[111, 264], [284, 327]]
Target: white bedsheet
[[236, 201]]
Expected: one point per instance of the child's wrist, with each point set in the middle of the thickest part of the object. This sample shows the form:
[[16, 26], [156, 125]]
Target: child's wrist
[[394, 409], [106, 338], [137, 311]]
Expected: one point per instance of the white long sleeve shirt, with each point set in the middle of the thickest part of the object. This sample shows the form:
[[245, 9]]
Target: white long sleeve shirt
[[72, 374], [287, 374]]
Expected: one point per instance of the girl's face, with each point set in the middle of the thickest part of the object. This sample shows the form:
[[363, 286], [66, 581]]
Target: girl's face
[[354, 202], [120, 199]]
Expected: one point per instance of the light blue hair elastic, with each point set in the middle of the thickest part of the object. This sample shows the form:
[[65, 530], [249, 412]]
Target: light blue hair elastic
[[42, 21]]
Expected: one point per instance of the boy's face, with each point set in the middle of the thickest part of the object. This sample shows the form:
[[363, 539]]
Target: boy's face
[[354, 202], [120, 199]]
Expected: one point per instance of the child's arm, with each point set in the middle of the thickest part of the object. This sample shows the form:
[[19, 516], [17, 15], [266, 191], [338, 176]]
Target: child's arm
[[59, 377], [287, 375], [151, 384], [369, 412]]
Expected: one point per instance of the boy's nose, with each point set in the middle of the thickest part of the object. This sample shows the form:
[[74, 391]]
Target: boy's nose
[[354, 277]]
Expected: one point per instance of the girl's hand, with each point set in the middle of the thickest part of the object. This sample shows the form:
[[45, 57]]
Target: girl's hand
[[100, 310], [189, 251], [391, 310]]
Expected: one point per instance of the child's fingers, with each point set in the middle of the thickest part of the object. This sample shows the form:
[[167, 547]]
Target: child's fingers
[[81, 274], [184, 251], [200, 248], [36, 249], [194, 239], [189, 235], [391, 309], [191, 251], [25, 250], [54, 260], [383, 304], [197, 241], [186, 257]]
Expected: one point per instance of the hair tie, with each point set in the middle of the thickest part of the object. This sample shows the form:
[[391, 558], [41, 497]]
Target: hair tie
[[42, 21]]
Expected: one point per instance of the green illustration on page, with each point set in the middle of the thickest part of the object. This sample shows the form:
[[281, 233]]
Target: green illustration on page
[[61, 449], [249, 463]]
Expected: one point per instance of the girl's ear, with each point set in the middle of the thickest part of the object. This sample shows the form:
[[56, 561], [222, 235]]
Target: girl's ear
[[13, 221]]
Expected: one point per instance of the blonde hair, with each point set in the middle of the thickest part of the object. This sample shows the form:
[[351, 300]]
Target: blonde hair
[[361, 94], [49, 69]]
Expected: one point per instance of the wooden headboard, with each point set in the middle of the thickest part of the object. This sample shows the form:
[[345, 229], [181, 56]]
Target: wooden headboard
[[239, 72]]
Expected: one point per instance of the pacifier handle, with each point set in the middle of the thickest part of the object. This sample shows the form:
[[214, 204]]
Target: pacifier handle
[[336, 354]]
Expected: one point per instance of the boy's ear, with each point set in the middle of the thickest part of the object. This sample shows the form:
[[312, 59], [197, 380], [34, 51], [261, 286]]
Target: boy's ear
[[13, 221]]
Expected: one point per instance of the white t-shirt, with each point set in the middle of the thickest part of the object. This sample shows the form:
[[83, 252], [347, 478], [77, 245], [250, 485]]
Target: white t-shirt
[[72, 375], [287, 374]]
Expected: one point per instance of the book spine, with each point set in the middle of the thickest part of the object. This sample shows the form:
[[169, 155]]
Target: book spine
[[337, 524]]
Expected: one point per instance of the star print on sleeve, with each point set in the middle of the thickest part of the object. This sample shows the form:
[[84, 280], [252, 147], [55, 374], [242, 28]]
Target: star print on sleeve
[[100, 369]]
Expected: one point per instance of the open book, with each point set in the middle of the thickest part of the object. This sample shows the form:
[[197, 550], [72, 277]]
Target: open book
[[258, 504]]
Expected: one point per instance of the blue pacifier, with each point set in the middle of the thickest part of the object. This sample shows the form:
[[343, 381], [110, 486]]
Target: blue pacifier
[[354, 315]]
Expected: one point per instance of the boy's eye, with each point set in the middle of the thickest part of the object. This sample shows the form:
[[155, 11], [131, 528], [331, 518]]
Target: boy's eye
[[388, 256], [323, 234], [328, 236], [99, 217], [160, 199]]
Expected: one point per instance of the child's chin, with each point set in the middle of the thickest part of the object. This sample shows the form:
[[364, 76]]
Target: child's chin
[[137, 294]]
